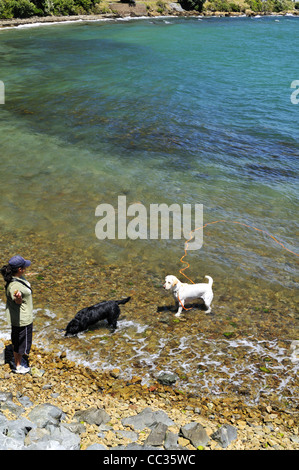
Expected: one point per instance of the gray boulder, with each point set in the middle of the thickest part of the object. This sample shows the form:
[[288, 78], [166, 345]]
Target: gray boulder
[[18, 429], [6, 403], [177, 7], [196, 434], [25, 401], [225, 435], [147, 418], [75, 427], [171, 441], [133, 436], [92, 416], [36, 435], [53, 438], [9, 443], [46, 445], [157, 435], [68, 439], [46, 415]]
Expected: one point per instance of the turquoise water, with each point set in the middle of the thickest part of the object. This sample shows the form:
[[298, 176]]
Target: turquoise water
[[185, 111], [176, 111]]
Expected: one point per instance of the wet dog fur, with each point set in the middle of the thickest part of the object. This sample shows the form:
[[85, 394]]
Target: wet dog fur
[[107, 310]]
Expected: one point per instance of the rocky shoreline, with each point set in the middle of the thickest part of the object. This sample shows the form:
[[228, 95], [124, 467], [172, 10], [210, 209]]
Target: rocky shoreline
[[60, 405], [125, 11]]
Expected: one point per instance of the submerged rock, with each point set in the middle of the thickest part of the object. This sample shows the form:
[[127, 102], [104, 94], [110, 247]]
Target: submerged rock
[[167, 378]]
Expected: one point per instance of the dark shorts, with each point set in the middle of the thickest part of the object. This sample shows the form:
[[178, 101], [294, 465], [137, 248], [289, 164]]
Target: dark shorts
[[21, 338]]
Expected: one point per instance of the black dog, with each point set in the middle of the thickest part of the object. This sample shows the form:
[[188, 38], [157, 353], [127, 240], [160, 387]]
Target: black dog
[[106, 310]]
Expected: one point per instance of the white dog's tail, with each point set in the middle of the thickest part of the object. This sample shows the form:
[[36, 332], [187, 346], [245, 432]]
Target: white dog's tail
[[210, 280]]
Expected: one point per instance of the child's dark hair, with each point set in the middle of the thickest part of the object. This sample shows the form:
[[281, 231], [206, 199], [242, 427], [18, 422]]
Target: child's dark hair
[[8, 272]]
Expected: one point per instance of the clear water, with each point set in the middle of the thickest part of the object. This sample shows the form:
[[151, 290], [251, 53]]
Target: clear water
[[186, 111]]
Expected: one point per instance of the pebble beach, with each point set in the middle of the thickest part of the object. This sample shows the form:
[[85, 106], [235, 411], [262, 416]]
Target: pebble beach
[[74, 389], [227, 380]]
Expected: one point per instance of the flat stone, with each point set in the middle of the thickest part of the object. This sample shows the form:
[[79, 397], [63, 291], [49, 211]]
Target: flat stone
[[171, 440], [147, 418], [92, 416], [133, 436], [225, 435], [196, 434], [157, 435]]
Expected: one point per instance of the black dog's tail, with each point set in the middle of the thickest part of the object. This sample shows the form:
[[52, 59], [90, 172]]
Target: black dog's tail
[[123, 301]]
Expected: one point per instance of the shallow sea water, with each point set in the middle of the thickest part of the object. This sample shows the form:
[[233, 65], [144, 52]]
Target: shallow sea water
[[185, 111]]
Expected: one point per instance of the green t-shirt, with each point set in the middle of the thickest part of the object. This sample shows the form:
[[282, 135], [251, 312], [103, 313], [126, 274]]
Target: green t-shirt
[[19, 315]]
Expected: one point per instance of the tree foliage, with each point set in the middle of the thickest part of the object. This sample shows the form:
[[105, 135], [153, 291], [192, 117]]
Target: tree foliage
[[28, 8], [192, 4]]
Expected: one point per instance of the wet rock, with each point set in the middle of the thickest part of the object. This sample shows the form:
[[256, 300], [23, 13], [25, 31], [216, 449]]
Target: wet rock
[[92, 416], [225, 435], [147, 418], [167, 378], [195, 433]]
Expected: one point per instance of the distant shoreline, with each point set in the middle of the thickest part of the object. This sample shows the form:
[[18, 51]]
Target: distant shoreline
[[37, 20]]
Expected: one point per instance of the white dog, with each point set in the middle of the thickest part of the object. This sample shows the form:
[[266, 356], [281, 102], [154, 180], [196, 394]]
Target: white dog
[[183, 292]]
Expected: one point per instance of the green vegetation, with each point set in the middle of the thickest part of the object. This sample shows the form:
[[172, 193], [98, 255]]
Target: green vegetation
[[256, 6], [196, 5], [28, 8]]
